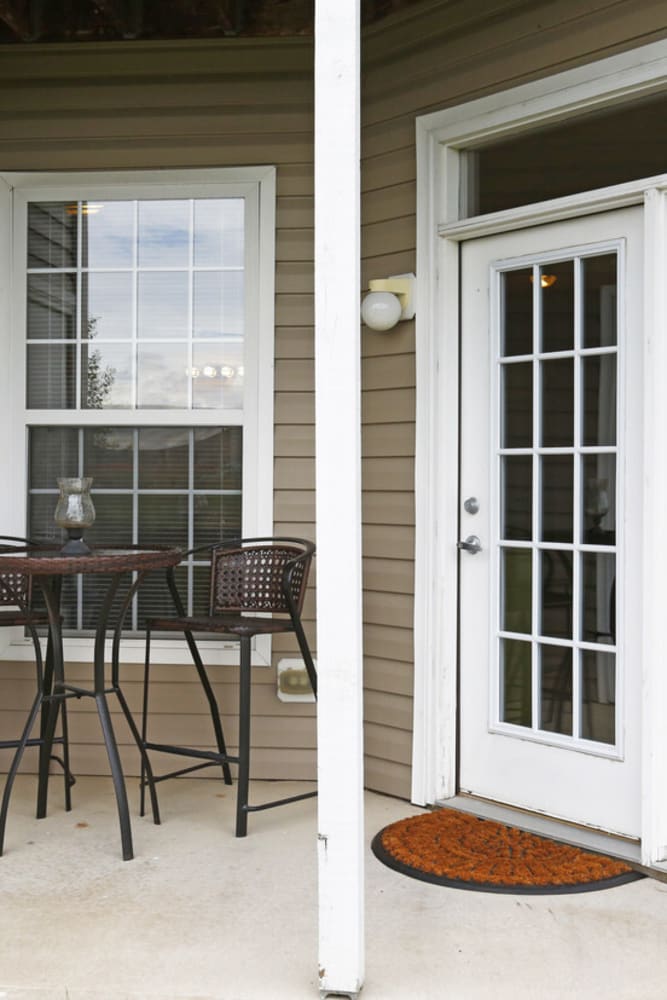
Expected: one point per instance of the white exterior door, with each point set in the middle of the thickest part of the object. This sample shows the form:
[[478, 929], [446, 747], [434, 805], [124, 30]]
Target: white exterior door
[[551, 471]]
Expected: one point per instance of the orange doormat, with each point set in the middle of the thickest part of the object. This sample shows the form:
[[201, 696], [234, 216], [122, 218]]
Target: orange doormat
[[458, 849]]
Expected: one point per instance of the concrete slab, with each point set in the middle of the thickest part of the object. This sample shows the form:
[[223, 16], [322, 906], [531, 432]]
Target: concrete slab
[[199, 915]]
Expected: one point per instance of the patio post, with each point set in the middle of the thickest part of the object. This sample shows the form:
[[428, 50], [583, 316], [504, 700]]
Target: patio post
[[338, 489]]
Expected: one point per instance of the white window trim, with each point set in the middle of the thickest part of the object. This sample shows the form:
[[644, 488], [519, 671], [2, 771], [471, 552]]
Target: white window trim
[[258, 186], [442, 138]]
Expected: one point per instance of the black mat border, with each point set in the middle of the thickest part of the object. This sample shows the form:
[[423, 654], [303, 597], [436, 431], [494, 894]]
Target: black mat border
[[513, 890]]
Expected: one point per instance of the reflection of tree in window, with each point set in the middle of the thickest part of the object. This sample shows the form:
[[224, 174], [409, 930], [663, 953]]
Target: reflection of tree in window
[[100, 378]]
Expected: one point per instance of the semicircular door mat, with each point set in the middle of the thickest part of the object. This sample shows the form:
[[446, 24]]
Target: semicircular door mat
[[454, 848]]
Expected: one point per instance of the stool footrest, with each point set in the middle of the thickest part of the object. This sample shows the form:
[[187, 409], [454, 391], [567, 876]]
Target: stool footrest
[[279, 802], [210, 755]]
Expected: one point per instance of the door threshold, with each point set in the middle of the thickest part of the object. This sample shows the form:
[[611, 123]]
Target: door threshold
[[625, 848]]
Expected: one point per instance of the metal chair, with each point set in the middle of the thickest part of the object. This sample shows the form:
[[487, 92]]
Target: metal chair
[[16, 610], [249, 578]]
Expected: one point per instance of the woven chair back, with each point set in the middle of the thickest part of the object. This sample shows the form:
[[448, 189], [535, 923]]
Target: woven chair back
[[251, 578], [15, 590]]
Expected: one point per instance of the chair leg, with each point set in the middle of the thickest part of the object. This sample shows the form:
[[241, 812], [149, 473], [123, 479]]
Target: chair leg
[[213, 707], [144, 724], [306, 654], [244, 740]]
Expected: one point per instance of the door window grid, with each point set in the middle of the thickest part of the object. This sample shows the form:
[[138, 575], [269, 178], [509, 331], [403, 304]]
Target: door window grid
[[582, 540]]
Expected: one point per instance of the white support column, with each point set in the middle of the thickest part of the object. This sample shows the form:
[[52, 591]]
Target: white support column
[[338, 482]]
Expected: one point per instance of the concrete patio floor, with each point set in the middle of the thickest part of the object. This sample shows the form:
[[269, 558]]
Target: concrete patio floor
[[199, 915]]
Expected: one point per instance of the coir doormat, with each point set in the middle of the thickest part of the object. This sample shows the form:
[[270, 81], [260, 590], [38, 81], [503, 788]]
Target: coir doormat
[[454, 848]]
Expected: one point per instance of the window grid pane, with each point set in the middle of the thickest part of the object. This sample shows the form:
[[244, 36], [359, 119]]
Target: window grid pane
[[145, 491], [129, 286]]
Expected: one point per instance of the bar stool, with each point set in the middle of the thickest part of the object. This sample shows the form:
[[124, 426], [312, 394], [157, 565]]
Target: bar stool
[[16, 610], [248, 578]]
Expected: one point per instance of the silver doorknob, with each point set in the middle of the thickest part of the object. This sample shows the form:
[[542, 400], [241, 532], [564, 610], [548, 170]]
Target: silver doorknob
[[471, 544]]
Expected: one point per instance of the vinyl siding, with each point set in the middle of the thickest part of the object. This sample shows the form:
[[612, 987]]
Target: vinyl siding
[[429, 57], [234, 103], [245, 102]]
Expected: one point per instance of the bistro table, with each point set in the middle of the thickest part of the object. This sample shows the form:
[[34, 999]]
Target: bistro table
[[47, 567]]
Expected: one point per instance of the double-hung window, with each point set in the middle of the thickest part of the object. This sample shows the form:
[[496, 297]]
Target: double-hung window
[[139, 326]]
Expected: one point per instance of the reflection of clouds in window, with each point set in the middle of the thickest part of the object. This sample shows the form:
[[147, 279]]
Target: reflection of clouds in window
[[163, 304], [107, 304], [219, 232], [164, 233], [218, 303], [161, 376], [108, 234]]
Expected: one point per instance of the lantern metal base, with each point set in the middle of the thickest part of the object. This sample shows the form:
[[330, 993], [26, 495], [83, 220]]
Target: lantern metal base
[[75, 545]]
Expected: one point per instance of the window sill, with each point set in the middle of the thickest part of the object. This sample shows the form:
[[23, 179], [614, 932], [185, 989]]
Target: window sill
[[133, 651]]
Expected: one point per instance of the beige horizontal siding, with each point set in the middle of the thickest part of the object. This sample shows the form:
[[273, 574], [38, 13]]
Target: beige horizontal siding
[[117, 107], [246, 101], [431, 56]]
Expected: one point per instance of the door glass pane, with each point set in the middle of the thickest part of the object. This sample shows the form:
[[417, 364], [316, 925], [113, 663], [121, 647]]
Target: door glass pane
[[517, 497], [599, 379], [517, 576], [598, 719], [556, 689], [557, 498], [517, 321], [556, 606], [599, 300], [516, 682], [517, 405], [557, 403], [599, 499], [598, 588], [557, 306]]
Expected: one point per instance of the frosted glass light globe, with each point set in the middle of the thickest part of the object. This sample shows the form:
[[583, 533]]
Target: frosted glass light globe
[[381, 310]]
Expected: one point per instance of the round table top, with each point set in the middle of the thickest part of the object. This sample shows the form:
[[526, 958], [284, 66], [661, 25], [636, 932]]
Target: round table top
[[109, 559]]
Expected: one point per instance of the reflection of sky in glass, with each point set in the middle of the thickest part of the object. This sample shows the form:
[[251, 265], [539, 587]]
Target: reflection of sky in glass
[[164, 233], [107, 376], [218, 381], [219, 230], [218, 303], [107, 230], [161, 376], [163, 304], [109, 300]]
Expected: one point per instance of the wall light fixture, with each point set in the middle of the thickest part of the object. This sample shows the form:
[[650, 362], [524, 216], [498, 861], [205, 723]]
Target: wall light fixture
[[389, 300]]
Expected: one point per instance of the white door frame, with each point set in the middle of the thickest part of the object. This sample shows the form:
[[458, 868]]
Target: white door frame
[[442, 139]]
